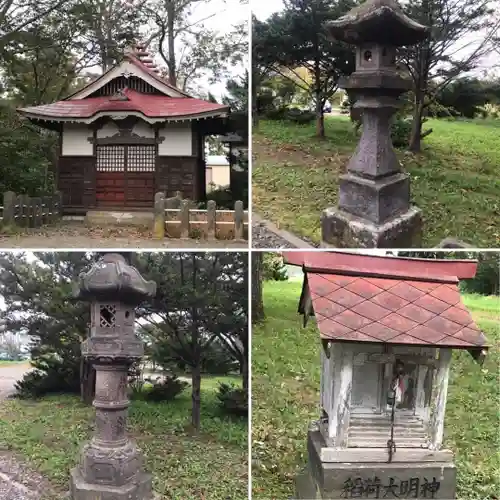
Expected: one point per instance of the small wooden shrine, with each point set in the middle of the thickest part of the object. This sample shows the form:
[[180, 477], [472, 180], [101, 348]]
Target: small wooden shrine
[[127, 135], [388, 326]]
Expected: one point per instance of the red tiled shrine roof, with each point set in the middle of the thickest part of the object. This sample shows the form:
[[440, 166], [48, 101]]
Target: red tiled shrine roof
[[389, 300], [150, 105]]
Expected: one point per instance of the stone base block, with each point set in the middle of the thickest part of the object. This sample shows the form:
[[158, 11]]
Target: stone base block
[[342, 230], [378, 200], [140, 489], [335, 481]]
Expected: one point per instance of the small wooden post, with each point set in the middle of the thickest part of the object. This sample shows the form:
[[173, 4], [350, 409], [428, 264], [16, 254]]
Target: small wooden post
[[24, 212], [31, 212], [36, 203], [238, 220], [159, 217], [211, 214], [437, 423], [184, 219], [51, 217], [58, 212], [45, 210], [178, 198], [9, 207], [338, 424]]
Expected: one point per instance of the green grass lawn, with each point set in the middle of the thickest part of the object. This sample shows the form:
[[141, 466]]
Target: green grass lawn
[[285, 397], [455, 181], [8, 362], [48, 434]]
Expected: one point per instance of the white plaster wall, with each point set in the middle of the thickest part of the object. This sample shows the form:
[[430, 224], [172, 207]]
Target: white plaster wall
[[178, 140], [109, 129], [218, 175], [75, 140], [143, 129]]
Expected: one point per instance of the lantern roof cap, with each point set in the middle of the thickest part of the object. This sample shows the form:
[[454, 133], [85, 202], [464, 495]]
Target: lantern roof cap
[[112, 278], [377, 21]]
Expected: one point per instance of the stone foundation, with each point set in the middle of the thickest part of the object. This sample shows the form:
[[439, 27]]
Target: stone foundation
[[139, 489], [342, 230], [335, 481]]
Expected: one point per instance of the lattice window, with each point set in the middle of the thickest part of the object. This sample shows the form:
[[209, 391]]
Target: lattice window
[[110, 158], [141, 158], [107, 316]]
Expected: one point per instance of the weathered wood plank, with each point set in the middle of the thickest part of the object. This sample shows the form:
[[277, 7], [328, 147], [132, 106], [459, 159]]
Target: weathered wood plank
[[356, 455], [437, 421], [420, 408], [338, 427]]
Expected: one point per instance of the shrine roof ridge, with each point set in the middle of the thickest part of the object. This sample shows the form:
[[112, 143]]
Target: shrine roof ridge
[[148, 105], [133, 59], [394, 275], [388, 267]]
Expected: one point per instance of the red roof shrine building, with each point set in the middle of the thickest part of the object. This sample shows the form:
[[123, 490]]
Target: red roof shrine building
[[127, 135]]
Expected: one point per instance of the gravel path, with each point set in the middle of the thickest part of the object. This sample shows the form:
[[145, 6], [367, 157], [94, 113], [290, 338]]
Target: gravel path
[[77, 235], [263, 238], [265, 234], [9, 375]]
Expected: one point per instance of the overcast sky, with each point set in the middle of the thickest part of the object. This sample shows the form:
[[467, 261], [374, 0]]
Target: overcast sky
[[225, 14], [263, 9]]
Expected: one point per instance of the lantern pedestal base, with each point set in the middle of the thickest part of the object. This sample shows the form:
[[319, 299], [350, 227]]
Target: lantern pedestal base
[[140, 489], [340, 229], [333, 481]]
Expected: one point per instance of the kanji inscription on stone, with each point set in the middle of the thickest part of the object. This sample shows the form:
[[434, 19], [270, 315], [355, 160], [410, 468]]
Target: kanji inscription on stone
[[414, 487]]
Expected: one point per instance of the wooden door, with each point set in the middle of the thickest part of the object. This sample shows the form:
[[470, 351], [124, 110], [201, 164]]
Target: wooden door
[[125, 176], [110, 176], [140, 176]]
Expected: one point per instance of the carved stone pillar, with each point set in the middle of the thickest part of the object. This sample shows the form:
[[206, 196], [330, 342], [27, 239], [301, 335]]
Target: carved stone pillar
[[111, 465], [374, 197]]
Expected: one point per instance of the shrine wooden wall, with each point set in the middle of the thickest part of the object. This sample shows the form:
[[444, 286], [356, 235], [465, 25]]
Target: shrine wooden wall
[[179, 164], [76, 180]]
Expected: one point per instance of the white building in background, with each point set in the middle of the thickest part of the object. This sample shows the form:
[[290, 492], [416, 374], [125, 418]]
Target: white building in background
[[217, 172]]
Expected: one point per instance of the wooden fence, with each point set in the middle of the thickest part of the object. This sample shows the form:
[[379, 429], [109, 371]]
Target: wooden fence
[[26, 211], [178, 218]]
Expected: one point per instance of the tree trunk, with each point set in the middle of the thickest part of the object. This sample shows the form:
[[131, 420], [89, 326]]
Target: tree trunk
[[318, 94], [253, 100], [196, 395], [320, 117], [257, 300], [172, 69], [244, 370], [416, 130], [87, 381]]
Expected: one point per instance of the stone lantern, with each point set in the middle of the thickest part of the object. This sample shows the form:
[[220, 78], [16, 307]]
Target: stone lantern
[[110, 467], [374, 195], [388, 327]]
